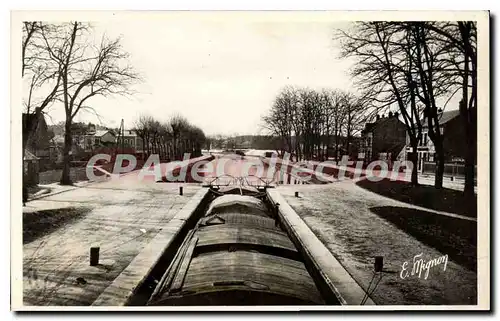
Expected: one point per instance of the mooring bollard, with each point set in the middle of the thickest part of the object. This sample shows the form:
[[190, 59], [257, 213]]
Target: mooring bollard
[[180, 190], [276, 214], [379, 263], [296, 194], [94, 256]]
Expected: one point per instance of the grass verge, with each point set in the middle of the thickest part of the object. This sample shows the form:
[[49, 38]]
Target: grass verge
[[444, 199], [452, 236]]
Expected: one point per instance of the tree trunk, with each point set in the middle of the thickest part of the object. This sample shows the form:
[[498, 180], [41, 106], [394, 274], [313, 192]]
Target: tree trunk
[[348, 141], [469, 123], [25, 187], [438, 181], [25, 143], [65, 177], [469, 169], [413, 158], [337, 141], [174, 148], [470, 156], [468, 115], [28, 130], [148, 147]]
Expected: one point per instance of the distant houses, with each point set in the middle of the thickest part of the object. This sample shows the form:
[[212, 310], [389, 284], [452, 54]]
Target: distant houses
[[87, 140], [98, 138], [129, 140], [45, 145], [454, 144], [38, 147], [383, 139], [31, 169], [387, 139]]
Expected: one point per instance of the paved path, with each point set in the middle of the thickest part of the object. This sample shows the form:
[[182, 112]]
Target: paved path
[[123, 215], [227, 169], [425, 179], [120, 216], [340, 215]]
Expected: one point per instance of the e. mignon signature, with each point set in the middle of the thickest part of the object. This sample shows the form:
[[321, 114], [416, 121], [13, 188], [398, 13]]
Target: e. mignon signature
[[420, 265]]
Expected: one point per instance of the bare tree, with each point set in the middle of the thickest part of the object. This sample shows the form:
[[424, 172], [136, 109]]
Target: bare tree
[[40, 76], [338, 109], [86, 70], [154, 130], [216, 141], [178, 124], [279, 119], [305, 120], [197, 140], [459, 41], [30, 31], [170, 139], [327, 117], [436, 78], [41, 83], [354, 117], [142, 129], [425, 57], [385, 74], [412, 63], [165, 138], [468, 108]]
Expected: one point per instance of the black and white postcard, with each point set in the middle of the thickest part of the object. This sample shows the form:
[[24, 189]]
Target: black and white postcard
[[250, 160]]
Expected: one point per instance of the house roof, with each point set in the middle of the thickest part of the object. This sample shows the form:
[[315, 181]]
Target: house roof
[[444, 117], [448, 115], [369, 127], [100, 132], [29, 155], [58, 139], [28, 120], [129, 132]]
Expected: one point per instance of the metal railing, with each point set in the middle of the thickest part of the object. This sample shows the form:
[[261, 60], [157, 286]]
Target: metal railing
[[229, 180]]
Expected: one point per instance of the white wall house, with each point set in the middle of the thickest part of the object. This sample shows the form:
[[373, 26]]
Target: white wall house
[[425, 149], [366, 147], [93, 140], [131, 140]]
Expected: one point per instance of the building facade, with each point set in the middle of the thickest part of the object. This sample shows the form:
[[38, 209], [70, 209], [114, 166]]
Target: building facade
[[98, 138], [130, 141], [39, 137], [454, 146], [383, 139]]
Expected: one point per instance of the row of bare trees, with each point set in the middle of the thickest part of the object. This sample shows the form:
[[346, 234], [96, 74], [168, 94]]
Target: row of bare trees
[[414, 65], [314, 124], [61, 63], [171, 139]]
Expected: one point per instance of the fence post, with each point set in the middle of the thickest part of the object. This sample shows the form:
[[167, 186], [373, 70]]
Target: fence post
[[94, 256]]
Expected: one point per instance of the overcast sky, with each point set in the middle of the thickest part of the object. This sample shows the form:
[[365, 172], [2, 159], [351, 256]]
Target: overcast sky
[[220, 74], [220, 71]]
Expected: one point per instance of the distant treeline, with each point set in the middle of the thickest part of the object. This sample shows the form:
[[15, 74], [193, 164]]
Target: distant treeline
[[242, 142], [267, 142]]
